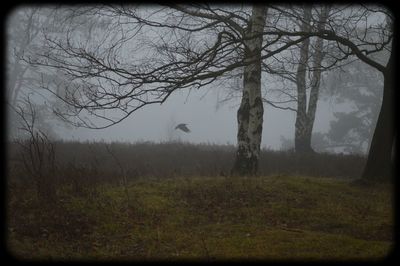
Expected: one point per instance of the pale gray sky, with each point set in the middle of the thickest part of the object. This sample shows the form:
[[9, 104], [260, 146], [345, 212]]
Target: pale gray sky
[[206, 122]]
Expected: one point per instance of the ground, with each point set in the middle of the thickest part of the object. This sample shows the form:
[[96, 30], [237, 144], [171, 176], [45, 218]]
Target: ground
[[205, 218]]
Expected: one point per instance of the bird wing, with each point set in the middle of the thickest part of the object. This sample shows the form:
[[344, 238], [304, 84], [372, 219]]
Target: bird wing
[[183, 127]]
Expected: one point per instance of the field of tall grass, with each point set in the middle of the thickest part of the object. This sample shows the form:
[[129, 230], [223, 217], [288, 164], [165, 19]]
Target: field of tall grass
[[148, 159]]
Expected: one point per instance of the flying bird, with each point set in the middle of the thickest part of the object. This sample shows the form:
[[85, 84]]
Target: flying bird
[[183, 127]]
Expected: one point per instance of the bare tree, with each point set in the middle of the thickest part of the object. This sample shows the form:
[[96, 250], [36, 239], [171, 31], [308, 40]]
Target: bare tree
[[23, 30], [251, 110], [305, 80], [37, 154], [359, 32], [363, 40], [192, 46], [204, 45], [305, 115], [25, 27]]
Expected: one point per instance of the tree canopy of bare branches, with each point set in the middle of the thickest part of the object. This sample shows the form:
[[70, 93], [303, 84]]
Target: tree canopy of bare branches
[[138, 56]]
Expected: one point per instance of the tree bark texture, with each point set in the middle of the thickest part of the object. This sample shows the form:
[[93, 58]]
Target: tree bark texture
[[251, 110], [380, 161], [302, 139], [306, 115]]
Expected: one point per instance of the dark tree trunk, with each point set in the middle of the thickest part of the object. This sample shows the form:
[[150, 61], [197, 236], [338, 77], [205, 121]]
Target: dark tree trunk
[[379, 164], [303, 138]]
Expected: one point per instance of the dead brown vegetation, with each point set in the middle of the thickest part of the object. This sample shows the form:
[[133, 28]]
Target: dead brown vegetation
[[83, 163]]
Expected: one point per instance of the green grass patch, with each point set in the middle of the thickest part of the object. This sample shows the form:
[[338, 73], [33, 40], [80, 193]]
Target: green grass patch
[[275, 217]]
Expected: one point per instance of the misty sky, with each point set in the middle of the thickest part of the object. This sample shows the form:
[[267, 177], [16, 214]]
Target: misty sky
[[208, 122]]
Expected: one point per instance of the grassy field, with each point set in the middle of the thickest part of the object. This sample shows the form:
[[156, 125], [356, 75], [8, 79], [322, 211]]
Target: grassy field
[[277, 217]]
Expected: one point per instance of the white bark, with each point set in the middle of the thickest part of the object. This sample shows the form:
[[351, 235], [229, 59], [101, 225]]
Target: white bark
[[316, 74], [301, 130], [250, 113], [306, 113]]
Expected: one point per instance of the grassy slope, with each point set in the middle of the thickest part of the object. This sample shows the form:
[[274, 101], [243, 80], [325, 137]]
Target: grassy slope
[[275, 217]]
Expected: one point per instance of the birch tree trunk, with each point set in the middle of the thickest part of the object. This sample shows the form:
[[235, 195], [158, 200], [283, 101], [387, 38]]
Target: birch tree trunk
[[302, 139], [251, 110], [306, 117]]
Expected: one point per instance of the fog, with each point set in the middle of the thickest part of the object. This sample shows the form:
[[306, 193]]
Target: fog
[[210, 132], [210, 119]]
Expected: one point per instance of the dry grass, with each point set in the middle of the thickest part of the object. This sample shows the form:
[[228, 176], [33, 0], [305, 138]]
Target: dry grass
[[207, 218], [174, 201], [146, 159]]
